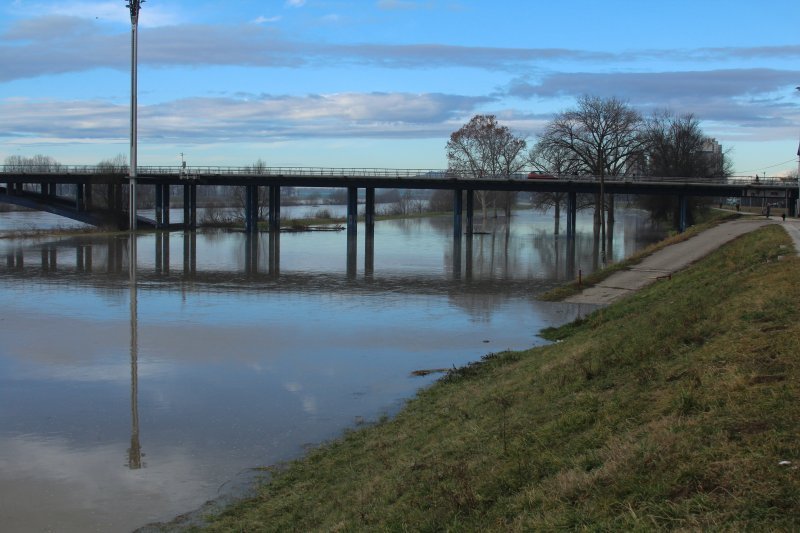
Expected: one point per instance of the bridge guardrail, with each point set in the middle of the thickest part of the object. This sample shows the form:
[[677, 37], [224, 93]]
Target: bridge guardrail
[[433, 174]]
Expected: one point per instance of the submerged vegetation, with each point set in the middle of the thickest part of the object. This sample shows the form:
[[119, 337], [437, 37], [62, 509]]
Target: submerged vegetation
[[675, 408]]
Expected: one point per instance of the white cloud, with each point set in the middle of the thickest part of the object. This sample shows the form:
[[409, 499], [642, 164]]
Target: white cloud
[[266, 20], [295, 3], [381, 115], [390, 5]]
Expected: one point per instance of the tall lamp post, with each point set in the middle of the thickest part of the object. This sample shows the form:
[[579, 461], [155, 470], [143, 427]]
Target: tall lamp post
[[134, 6], [797, 205]]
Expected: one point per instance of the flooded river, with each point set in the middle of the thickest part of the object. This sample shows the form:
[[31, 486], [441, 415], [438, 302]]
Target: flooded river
[[131, 395]]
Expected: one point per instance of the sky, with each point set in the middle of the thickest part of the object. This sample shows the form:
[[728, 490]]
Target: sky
[[383, 83]]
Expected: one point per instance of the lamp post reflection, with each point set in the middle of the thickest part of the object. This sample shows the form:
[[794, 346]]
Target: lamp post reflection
[[135, 451]]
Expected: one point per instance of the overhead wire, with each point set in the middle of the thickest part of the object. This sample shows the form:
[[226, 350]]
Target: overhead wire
[[762, 168]]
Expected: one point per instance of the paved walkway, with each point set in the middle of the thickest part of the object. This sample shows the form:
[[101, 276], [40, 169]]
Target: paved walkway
[[671, 259]]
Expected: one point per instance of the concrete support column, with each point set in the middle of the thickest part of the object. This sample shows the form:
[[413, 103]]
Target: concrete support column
[[369, 254], [159, 207], [352, 255], [352, 211], [682, 212], [87, 196], [187, 207], [572, 209], [274, 253], [369, 209], [251, 254], [80, 204], [251, 208], [274, 207], [468, 259], [470, 210], [457, 211], [369, 233], [193, 206], [165, 202]]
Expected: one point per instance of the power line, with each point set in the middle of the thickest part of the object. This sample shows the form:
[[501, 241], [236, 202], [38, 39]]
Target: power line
[[762, 168]]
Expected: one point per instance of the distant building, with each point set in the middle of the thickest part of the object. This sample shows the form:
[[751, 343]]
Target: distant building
[[712, 151]]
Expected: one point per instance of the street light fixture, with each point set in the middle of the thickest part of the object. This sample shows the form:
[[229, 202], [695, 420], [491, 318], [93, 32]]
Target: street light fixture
[[134, 6]]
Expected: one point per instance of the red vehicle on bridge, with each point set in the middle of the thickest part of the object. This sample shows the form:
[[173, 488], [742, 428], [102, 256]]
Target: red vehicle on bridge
[[535, 175]]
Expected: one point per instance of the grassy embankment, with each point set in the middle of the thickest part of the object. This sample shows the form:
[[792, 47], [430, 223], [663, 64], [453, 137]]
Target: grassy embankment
[[711, 218], [671, 409]]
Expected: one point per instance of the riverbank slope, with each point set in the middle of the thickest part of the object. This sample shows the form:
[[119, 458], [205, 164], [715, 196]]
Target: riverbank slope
[[672, 408]]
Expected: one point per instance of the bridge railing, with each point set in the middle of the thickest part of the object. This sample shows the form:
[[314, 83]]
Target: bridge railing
[[335, 172]]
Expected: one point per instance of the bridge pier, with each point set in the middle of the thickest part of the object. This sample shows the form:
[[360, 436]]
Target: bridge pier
[[162, 205], [468, 259], [572, 210], [369, 232], [274, 207], [352, 255], [470, 210], [457, 213], [682, 211], [80, 203], [251, 208], [251, 253], [274, 253], [190, 206], [457, 258], [369, 209], [352, 211], [369, 254]]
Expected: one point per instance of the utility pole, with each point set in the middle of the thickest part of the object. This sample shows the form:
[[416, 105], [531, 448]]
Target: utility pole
[[134, 6], [797, 205]]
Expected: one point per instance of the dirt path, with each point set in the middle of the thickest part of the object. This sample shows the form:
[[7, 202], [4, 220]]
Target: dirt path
[[665, 262]]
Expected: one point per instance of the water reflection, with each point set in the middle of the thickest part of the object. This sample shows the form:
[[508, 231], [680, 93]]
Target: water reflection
[[135, 451], [248, 347]]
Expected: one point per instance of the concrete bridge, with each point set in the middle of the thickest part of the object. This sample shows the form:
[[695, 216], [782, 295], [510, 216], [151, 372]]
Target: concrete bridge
[[71, 191]]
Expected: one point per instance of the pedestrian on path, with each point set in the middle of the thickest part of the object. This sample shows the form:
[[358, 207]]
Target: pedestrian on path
[[783, 216]]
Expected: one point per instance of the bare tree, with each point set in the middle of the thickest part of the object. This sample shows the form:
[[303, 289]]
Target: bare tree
[[482, 148], [677, 147], [557, 161], [603, 138], [259, 167], [108, 196], [36, 163]]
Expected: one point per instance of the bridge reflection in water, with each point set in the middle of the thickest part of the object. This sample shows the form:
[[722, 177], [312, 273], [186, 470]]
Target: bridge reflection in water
[[114, 261], [104, 261]]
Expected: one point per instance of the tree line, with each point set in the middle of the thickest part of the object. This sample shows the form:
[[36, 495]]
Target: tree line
[[602, 137]]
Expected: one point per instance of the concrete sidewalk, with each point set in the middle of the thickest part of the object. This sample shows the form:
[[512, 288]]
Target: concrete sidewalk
[[671, 259]]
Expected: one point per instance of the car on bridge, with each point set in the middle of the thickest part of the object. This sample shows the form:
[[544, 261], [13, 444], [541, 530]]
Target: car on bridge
[[536, 175]]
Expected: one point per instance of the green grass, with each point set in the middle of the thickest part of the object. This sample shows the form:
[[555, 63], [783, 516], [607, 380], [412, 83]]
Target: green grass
[[670, 409]]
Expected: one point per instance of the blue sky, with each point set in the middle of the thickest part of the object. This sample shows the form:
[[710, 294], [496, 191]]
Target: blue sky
[[382, 83]]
